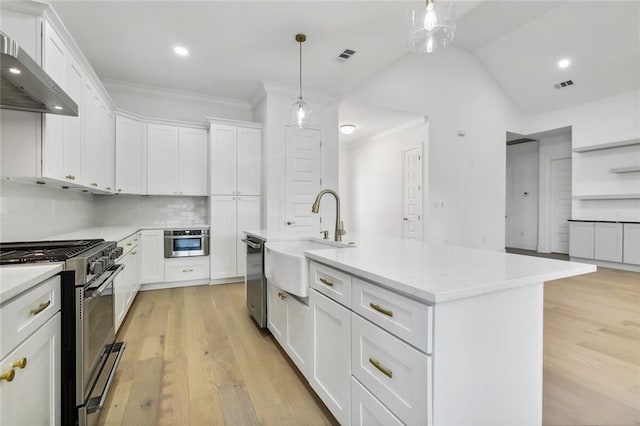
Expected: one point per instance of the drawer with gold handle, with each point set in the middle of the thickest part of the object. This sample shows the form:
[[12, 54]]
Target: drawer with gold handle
[[9, 375], [188, 270], [41, 307], [380, 367], [331, 282], [327, 282]]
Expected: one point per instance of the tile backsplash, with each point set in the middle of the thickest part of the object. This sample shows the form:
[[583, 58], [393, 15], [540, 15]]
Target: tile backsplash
[[155, 210], [30, 211]]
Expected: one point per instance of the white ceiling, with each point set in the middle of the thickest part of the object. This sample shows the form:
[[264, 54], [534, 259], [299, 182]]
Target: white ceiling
[[372, 121], [237, 44]]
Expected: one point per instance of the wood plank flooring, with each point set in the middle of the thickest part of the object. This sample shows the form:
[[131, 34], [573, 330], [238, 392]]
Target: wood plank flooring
[[194, 357]]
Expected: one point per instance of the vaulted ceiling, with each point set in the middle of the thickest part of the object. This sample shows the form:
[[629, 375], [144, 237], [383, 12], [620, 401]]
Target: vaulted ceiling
[[235, 45]]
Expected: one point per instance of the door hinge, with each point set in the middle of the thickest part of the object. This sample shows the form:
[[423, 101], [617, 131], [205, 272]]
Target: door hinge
[[320, 181], [320, 144], [320, 219], [418, 217], [418, 187], [419, 157]]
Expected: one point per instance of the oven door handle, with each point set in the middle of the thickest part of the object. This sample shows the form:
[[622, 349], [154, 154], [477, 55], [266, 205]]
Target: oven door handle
[[255, 246], [109, 280], [184, 237], [92, 408]]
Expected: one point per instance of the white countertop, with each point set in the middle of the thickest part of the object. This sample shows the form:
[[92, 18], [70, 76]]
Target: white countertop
[[278, 235], [114, 233], [440, 273], [16, 279]]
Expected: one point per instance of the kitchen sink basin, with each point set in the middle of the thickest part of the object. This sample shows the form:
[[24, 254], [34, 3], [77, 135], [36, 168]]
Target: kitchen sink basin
[[286, 267]]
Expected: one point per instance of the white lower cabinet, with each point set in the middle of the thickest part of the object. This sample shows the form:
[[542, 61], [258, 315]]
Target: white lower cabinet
[[127, 284], [32, 397], [186, 269], [331, 361], [581, 239], [631, 250], [152, 256], [366, 410], [277, 313], [608, 242]]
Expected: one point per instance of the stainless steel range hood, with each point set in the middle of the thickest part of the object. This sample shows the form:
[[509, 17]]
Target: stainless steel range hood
[[26, 87]]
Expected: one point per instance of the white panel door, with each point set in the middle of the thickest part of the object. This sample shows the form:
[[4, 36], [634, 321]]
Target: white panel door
[[248, 161], [223, 237], [302, 179], [560, 204], [33, 397], [192, 179], [162, 159], [152, 256], [412, 193], [73, 125], [107, 148], [248, 217], [331, 348], [129, 155], [581, 239], [223, 159], [631, 250], [608, 242]]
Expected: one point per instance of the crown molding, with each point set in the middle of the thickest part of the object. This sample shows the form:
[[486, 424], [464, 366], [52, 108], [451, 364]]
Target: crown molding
[[310, 95], [154, 92], [162, 121], [229, 122]]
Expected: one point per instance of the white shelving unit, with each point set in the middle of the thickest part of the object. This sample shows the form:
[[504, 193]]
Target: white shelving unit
[[607, 197], [608, 145], [632, 169]]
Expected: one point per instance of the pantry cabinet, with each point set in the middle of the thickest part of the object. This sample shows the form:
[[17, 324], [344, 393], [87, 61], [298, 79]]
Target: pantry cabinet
[[130, 155]]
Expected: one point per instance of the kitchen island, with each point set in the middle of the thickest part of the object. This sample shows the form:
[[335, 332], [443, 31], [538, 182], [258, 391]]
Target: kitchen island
[[407, 332]]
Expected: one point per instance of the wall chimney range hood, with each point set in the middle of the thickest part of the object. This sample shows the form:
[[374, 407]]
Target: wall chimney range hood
[[26, 87]]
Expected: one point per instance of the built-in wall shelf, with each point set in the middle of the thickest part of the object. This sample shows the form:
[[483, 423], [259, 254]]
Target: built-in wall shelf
[[632, 169], [609, 145], [607, 197]]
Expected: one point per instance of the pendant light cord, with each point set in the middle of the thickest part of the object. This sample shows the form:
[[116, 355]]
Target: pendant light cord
[[300, 43]]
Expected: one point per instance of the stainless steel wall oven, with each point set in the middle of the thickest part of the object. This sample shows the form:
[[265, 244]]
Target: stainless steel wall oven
[[186, 242]]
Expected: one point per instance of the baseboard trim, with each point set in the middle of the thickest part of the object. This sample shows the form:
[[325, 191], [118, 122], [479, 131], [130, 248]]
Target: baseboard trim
[[218, 281], [605, 264], [175, 284]]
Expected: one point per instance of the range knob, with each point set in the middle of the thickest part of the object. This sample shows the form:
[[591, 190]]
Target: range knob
[[96, 267]]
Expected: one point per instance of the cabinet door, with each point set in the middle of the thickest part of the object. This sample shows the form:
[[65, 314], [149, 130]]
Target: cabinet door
[[90, 148], [248, 161], [631, 250], [152, 256], [223, 237], [608, 242], [162, 159], [581, 239], [73, 125], [277, 313], [55, 64], [129, 155], [120, 291], [298, 330], [248, 209], [223, 159], [38, 382], [134, 284], [331, 348], [366, 410], [193, 162], [107, 148]]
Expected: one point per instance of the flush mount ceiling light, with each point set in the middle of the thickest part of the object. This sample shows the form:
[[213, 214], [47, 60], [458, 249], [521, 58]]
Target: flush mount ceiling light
[[181, 51], [432, 25], [564, 63], [347, 129], [14, 70], [57, 107], [300, 112]]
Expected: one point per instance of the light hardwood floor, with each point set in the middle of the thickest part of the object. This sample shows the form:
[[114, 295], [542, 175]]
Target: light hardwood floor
[[194, 357]]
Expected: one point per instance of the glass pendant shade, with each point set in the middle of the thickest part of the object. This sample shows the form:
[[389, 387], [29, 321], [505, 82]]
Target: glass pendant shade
[[432, 25], [300, 114]]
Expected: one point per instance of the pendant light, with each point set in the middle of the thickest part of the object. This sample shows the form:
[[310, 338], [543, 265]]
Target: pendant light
[[300, 112], [432, 25]]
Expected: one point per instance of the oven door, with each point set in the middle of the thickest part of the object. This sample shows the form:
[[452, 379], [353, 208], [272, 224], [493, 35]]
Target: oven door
[[185, 245], [98, 329]]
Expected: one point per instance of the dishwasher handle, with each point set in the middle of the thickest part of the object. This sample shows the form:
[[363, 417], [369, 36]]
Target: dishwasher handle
[[255, 246]]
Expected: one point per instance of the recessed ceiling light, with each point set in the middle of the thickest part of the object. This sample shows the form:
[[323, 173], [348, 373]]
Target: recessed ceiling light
[[181, 51], [13, 70], [347, 129], [58, 107], [564, 63]]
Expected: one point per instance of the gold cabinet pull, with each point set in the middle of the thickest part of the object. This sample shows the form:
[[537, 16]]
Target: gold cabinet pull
[[326, 281], [21, 363], [108, 188], [129, 244], [382, 310], [9, 375], [41, 307], [282, 296], [94, 184], [188, 270], [380, 367], [68, 177], [133, 253]]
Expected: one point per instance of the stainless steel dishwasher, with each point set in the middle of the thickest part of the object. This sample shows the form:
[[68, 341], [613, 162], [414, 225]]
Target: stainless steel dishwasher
[[255, 282]]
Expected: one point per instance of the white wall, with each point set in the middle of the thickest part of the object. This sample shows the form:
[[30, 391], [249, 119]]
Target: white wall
[[466, 174], [275, 108], [606, 120], [551, 148], [522, 195], [371, 181], [29, 211], [175, 105]]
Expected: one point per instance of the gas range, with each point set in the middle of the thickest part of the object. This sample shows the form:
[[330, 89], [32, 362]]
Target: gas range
[[87, 258]]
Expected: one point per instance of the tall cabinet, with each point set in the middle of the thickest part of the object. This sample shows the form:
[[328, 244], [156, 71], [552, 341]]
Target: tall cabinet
[[235, 193]]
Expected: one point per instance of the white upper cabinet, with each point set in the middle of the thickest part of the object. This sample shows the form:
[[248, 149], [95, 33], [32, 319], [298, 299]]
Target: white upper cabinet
[[107, 148], [176, 160], [192, 167], [90, 137], [162, 159], [130, 142], [235, 160], [72, 147]]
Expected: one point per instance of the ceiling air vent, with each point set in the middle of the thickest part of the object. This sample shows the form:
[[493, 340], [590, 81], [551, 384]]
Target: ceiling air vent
[[563, 84], [346, 54]]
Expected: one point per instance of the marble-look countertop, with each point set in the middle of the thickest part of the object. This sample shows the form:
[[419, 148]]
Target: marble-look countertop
[[16, 279], [440, 273], [114, 233]]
